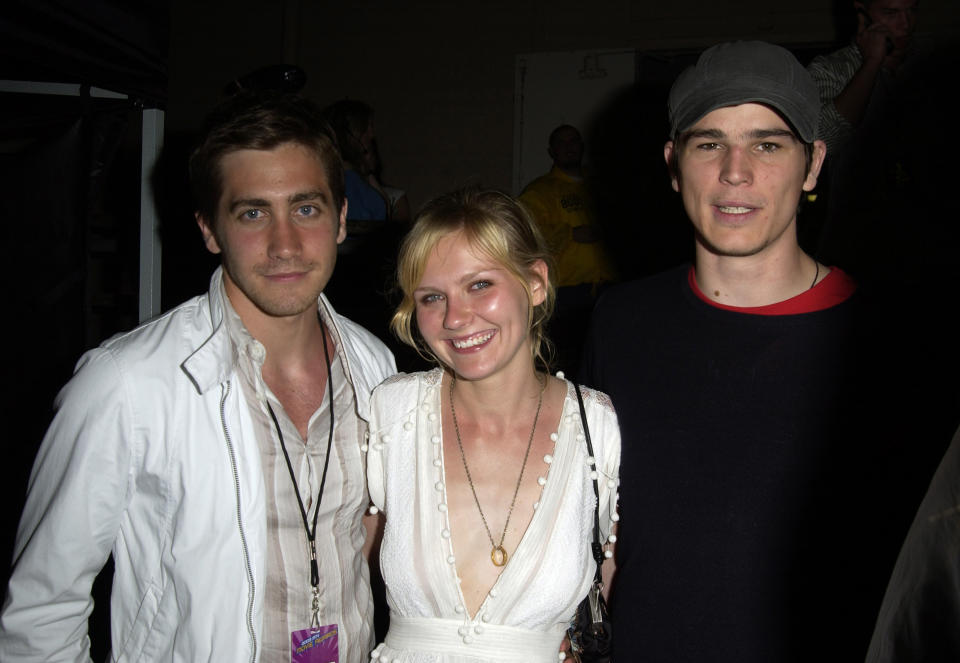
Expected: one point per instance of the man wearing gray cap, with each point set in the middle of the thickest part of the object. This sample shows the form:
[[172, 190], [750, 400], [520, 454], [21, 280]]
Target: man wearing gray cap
[[747, 499]]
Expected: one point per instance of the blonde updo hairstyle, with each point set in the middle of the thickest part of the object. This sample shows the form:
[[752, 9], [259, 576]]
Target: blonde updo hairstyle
[[496, 226]]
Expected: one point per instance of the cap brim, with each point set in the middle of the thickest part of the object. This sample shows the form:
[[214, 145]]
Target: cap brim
[[723, 97]]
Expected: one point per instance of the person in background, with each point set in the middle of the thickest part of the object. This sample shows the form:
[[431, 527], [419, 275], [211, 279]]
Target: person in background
[[882, 101], [864, 71], [352, 121], [920, 612], [561, 204]]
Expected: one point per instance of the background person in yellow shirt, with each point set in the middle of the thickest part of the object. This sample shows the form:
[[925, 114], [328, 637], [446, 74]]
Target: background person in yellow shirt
[[561, 204]]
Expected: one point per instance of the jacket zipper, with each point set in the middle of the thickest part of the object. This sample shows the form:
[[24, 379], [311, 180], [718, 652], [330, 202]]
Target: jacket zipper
[[243, 535]]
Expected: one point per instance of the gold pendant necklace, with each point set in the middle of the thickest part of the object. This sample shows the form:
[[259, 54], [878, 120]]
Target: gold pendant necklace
[[498, 554]]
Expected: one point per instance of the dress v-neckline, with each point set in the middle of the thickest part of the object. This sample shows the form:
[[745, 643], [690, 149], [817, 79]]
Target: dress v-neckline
[[521, 545]]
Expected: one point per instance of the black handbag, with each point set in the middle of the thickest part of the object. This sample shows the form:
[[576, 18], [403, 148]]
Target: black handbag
[[590, 634]]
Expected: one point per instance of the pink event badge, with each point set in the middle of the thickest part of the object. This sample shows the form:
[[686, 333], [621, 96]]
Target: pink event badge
[[318, 645]]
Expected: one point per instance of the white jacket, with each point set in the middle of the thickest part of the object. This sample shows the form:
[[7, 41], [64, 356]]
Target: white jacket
[[152, 456]]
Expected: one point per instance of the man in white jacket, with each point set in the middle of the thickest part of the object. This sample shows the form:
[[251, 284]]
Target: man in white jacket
[[217, 451]]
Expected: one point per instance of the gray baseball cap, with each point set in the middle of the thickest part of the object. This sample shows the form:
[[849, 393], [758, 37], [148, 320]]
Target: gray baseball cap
[[741, 72]]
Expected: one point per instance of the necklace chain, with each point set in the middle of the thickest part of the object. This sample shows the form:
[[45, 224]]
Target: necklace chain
[[816, 274], [498, 555]]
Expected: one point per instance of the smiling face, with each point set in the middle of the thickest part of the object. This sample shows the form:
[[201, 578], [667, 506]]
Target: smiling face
[[740, 171], [473, 313], [277, 229]]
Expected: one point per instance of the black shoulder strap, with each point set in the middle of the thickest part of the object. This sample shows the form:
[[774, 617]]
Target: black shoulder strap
[[596, 547]]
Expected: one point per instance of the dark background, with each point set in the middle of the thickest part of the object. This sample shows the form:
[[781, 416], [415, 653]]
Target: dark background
[[440, 77]]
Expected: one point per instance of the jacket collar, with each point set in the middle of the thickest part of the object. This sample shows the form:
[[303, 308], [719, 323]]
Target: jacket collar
[[214, 361]]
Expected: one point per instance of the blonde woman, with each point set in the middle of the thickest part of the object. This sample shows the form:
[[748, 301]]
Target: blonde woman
[[480, 465]]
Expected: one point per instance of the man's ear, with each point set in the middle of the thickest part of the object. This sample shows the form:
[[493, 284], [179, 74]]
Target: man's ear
[[342, 229], [209, 237], [670, 157], [816, 163]]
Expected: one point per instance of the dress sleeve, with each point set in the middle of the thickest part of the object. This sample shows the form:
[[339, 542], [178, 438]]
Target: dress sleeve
[[605, 435], [375, 465], [78, 490]]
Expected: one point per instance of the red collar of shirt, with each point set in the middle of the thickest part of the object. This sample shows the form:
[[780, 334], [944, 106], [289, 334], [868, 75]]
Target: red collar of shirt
[[836, 287]]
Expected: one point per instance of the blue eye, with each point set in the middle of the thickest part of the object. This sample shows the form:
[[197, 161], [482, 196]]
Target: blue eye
[[481, 285], [431, 298], [252, 214], [307, 210]]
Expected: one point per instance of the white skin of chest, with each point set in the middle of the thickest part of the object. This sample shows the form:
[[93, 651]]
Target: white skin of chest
[[300, 398], [494, 453], [300, 387]]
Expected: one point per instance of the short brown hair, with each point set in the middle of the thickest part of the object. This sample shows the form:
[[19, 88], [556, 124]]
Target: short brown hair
[[496, 225], [260, 121]]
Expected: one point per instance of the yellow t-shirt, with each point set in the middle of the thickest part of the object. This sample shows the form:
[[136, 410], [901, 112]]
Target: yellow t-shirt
[[559, 203]]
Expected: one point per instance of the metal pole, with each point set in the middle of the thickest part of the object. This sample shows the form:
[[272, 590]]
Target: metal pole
[[150, 249]]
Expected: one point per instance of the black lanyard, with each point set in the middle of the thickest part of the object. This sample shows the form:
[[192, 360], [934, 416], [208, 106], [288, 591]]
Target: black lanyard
[[311, 534]]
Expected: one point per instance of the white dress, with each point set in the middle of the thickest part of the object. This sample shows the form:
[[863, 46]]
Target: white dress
[[526, 614]]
